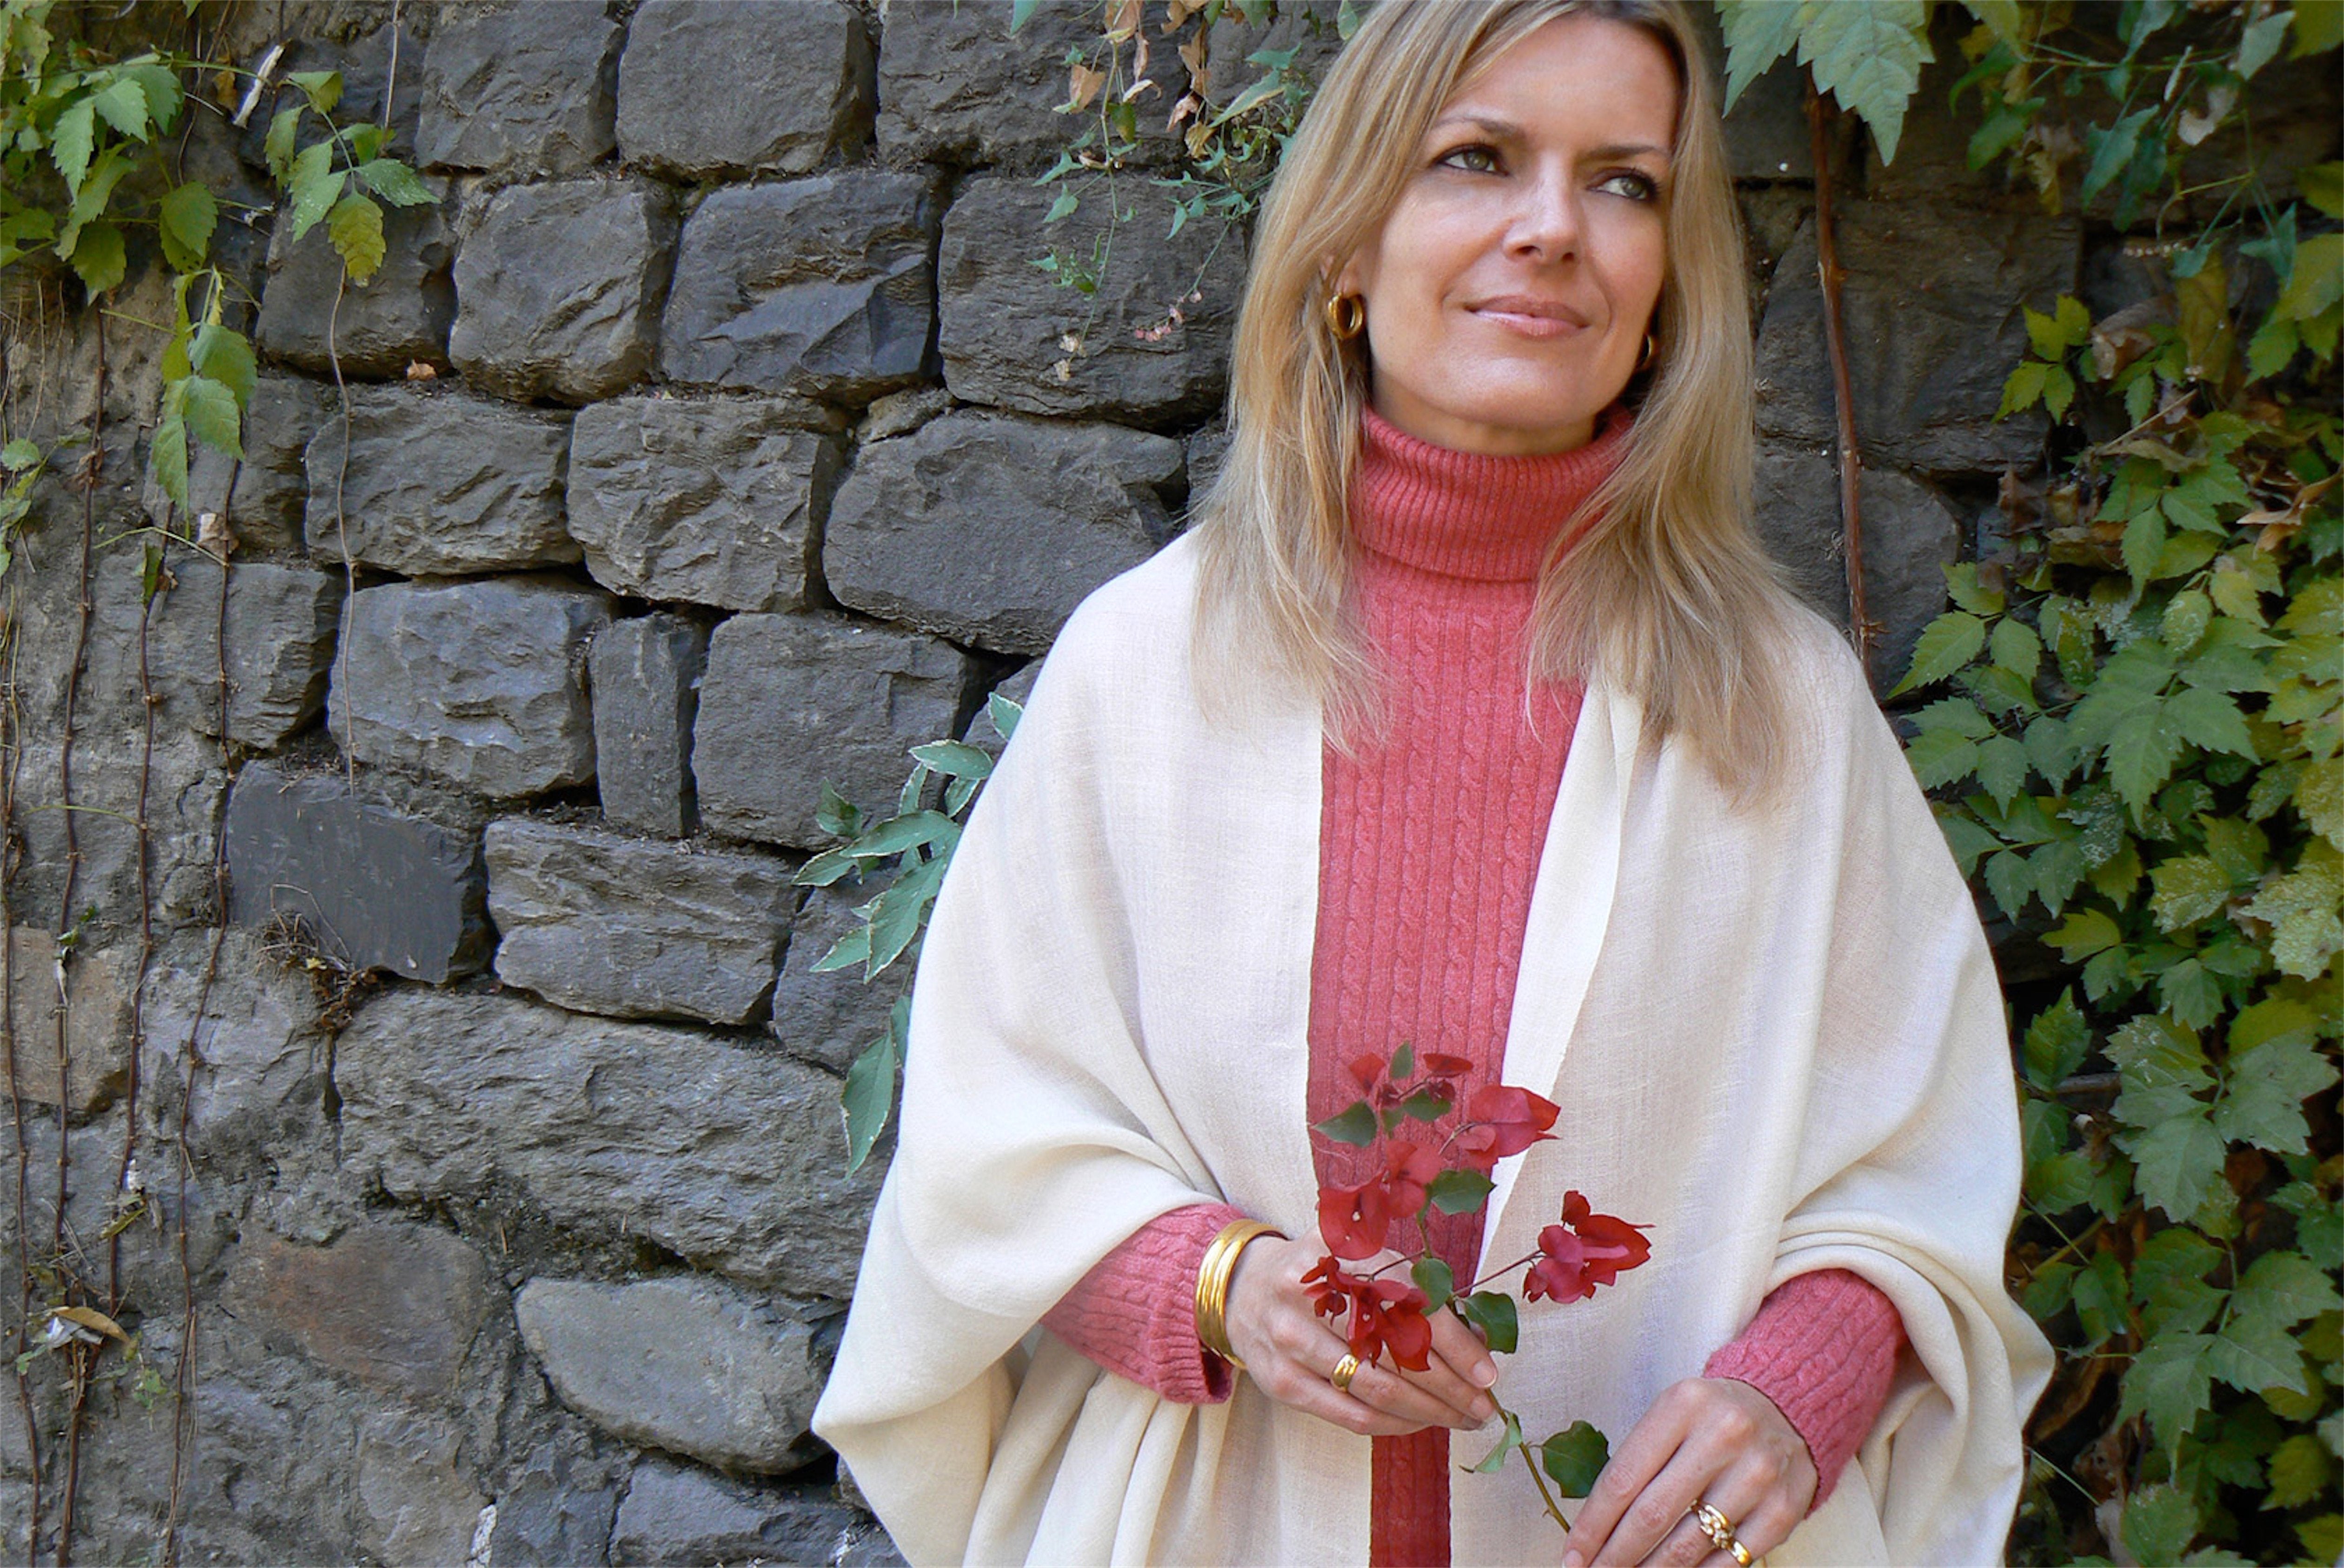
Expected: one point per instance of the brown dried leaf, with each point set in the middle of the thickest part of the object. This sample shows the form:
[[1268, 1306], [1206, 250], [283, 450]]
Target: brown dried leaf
[[1083, 85], [91, 1318], [1125, 23]]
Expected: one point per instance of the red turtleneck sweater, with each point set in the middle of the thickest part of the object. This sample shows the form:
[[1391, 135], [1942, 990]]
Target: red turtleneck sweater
[[1429, 844]]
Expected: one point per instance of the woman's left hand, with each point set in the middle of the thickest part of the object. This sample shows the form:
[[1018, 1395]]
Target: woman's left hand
[[1705, 1440]]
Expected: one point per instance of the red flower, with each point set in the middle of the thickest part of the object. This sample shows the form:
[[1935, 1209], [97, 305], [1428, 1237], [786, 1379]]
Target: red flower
[[1503, 1120], [1435, 1065], [1587, 1249], [1385, 1314], [1408, 1167], [1366, 1072], [1354, 1220]]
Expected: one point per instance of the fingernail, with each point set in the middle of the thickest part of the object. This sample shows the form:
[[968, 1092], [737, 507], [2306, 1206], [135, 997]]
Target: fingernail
[[1486, 1374], [1487, 1409], [1573, 1560]]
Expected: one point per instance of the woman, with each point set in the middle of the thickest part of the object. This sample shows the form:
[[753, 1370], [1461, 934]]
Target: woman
[[1470, 716]]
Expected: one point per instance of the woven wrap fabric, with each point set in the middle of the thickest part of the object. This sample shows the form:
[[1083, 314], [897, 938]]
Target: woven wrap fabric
[[1775, 1036]]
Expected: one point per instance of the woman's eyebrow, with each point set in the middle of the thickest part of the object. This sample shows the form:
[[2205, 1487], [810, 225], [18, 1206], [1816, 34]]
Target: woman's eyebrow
[[1507, 130]]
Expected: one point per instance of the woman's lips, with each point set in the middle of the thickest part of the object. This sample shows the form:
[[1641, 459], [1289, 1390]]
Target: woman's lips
[[1530, 318]]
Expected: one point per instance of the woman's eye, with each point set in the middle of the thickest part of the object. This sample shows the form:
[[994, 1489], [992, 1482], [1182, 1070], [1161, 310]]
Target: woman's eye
[[1477, 158], [1634, 186]]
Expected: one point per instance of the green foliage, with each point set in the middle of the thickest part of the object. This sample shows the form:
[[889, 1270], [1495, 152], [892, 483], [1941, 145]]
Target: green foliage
[[1868, 56], [918, 841]]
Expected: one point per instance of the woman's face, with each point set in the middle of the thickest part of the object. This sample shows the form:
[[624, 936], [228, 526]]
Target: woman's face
[[1509, 292]]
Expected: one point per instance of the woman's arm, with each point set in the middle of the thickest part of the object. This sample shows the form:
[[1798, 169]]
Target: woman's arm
[[1824, 1348], [1134, 1312]]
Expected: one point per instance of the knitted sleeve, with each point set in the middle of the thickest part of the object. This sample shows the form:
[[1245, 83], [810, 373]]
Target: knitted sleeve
[[1823, 1348], [1135, 1313]]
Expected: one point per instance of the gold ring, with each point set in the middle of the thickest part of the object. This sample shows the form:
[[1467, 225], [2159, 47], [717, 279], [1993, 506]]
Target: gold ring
[[1720, 1531], [1345, 1370]]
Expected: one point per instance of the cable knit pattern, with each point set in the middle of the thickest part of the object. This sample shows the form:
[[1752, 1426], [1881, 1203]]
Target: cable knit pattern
[[1430, 838], [1823, 1348]]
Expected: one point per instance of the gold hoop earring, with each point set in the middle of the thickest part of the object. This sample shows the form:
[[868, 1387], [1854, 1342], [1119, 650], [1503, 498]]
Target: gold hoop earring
[[1347, 316], [1652, 349]]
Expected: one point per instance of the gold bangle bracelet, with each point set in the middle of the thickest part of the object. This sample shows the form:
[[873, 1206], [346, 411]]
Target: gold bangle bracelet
[[1213, 1276]]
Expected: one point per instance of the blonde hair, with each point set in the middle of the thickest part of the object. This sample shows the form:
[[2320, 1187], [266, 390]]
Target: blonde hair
[[1667, 592]]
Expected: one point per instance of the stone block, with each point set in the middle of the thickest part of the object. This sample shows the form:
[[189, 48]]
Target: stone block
[[397, 1307], [556, 1513], [177, 788], [1927, 355], [989, 529], [415, 1504], [709, 88], [679, 1514], [375, 888], [262, 495], [713, 501], [1910, 537], [790, 703], [1015, 336], [823, 287], [634, 928], [277, 643], [955, 86], [559, 289], [439, 483], [96, 1016], [400, 316], [479, 684], [729, 1156], [525, 89], [693, 1366], [644, 675], [264, 1054], [828, 1017]]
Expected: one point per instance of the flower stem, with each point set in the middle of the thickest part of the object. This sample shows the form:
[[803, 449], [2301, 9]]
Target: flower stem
[[1501, 1269], [1553, 1509]]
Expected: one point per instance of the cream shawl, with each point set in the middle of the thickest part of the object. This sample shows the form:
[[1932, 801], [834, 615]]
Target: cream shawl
[[1774, 1035]]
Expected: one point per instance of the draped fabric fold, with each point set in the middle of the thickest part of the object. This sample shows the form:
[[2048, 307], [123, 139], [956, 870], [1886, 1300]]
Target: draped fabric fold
[[1775, 1036]]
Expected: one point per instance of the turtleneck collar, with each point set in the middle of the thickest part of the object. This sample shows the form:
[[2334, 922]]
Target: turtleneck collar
[[1464, 514]]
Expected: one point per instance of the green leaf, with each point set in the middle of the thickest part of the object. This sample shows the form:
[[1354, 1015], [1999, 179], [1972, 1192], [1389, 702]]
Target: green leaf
[[954, 759], [1354, 1124], [2252, 1354], [71, 141], [355, 226], [1757, 33], [2002, 769], [2111, 149], [316, 185], [1459, 1191], [1005, 714], [2301, 1468], [98, 259], [186, 217], [1433, 1278], [850, 951], [2177, 1162], [2015, 647], [395, 183], [2323, 1537], [2188, 888], [2318, 279], [1949, 642], [2282, 1289], [916, 830], [2011, 881], [2262, 1100], [1963, 586], [212, 415], [1938, 757], [279, 148], [1511, 1438], [2261, 42], [166, 457], [2060, 1183], [2168, 1381], [122, 104], [1492, 1313], [1018, 11], [225, 355], [2210, 720], [1426, 1104], [323, 88], [19, 455], [870, 1093], [2142, 751], [1869, 57], [2159, 1521], [1573, 1457], [2056, 1042], [2101, 1294], [2322, 185], [1064, 207], [2083, 933], [2023, 388]]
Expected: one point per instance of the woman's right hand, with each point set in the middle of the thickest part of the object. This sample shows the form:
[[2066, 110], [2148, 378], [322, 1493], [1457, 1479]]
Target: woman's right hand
[[1291, 1352]]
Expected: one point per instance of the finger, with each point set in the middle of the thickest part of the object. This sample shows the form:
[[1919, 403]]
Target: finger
[[1292, 1382], [1444, 1379], [1685, 1545], [1387, 1390], [1650, 1445], [1457, 1344], [1763, 1503]]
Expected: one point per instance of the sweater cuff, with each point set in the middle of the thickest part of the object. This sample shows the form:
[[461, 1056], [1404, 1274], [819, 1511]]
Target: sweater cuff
[[1135, 1313], [1823, 1348]]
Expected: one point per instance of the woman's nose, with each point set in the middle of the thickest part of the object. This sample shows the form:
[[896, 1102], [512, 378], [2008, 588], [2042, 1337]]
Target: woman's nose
[[1547, 224]]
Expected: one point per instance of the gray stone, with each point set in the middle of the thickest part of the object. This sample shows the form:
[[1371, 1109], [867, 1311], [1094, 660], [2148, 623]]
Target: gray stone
[[901, 413], [1206, 450], [729, 1156], [712, 88], [397, 1307], [262, 495], [525, 89], [1766, 133], [560, 289], [1910, 536], [790, 703], [645, 679], [832, 1017], [1928, 356], [400, 316], [375, 887], [415, 1504], [439, 483], [715, 501], [264, 1054], [694, 1366], [96, 1013], [557, 1513], [177, 787], [955, 87], [1017, 691], [989, 529], [822, 287], [478, 684], [1015, 336], [277, 643], [676, 1515], [634, 928]]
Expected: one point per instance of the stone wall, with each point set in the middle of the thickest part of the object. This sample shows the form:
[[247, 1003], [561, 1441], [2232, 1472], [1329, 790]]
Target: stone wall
[[714, 440]]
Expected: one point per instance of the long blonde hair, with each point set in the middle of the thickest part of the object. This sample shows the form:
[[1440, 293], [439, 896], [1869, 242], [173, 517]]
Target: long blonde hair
[[1667, 592]]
